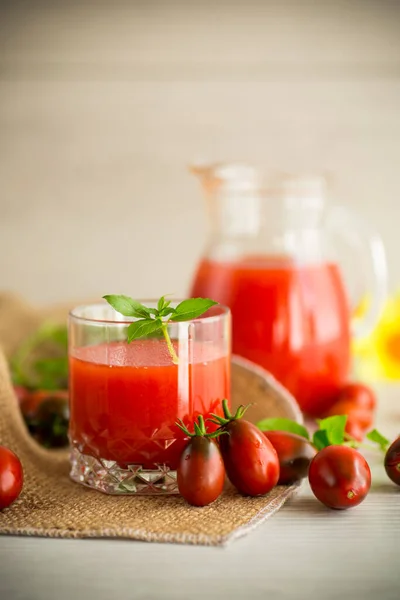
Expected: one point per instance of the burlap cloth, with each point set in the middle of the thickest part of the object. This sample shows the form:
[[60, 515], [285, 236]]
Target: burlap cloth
[[52, 505]]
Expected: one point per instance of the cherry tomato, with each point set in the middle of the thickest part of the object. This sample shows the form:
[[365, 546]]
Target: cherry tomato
[[339, 477], [354, 429], [251, 461], [358, 402], [358, 395], [358, 422], [295, 454], [201, 472], [392, 461], [11, 477]]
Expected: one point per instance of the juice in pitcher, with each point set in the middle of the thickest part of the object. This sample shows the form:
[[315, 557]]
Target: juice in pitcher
[[291, 319]]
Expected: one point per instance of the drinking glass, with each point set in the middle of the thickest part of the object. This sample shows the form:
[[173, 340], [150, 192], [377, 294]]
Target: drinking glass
[[125, 398]]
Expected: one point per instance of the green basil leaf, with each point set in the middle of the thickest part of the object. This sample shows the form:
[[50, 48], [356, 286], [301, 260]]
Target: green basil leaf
[[143, 327], [283, 425], [320, 439], [127, 306], [192, 308], [167, 310], [378, 438], [160, 304], [335, 428]]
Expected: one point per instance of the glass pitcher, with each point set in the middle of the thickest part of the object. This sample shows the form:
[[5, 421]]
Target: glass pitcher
[[291, 269]]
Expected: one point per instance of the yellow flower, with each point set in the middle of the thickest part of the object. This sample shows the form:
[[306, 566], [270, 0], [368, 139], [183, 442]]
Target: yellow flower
[[378, 355]]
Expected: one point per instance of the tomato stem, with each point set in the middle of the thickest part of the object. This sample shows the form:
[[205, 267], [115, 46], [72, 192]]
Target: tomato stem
[[221, 421], [225, 408], [351, 442], [199, 428]]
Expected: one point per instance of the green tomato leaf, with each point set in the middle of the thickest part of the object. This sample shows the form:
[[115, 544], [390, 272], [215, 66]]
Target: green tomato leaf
[[378, 438], [127, 306], [334, 427], [143, 327], [283, 425], [192, 308], [320, 439]]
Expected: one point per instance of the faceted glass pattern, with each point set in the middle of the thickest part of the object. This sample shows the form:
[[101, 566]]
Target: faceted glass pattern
[[108, 477]]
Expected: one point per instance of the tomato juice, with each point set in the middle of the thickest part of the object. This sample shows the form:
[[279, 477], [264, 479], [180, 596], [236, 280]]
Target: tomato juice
[[125, 398], [292, 319]]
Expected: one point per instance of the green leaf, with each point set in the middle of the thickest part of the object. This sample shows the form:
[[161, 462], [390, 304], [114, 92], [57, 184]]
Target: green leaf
[[49, 337], [163, 307], [320, 439], [143, 327], [167, 310], [163, 303], [59, 335], [378, 438], [192, 308], [283, 425], [334, 427], [51, 373], [127, 306]]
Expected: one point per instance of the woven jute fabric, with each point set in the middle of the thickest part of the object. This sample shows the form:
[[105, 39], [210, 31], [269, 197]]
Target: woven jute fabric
[[52, 505]]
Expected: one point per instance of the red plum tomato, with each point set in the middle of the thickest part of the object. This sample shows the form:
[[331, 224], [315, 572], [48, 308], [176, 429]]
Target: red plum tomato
[[251, 461], [294, 453], [339, 477], [11, 477], [392, 461], [201, 472]]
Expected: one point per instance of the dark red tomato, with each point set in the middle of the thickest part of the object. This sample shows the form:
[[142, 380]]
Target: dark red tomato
[[201, 472], [295, 454], [46, 414], [251, 461], [51, 423], [339, 477], [32, 400], [392, 461], [11, 477]]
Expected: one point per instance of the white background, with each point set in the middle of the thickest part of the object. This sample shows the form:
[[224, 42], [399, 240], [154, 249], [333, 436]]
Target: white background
[[104, 104]]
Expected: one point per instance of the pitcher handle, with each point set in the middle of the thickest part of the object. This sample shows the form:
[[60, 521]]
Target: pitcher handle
[[352, 228]]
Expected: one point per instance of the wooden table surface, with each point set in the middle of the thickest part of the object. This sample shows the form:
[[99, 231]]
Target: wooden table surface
[[304, 551]]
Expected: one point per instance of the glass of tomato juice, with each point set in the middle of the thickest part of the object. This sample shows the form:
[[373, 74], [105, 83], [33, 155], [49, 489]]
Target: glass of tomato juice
[[125, 398]]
